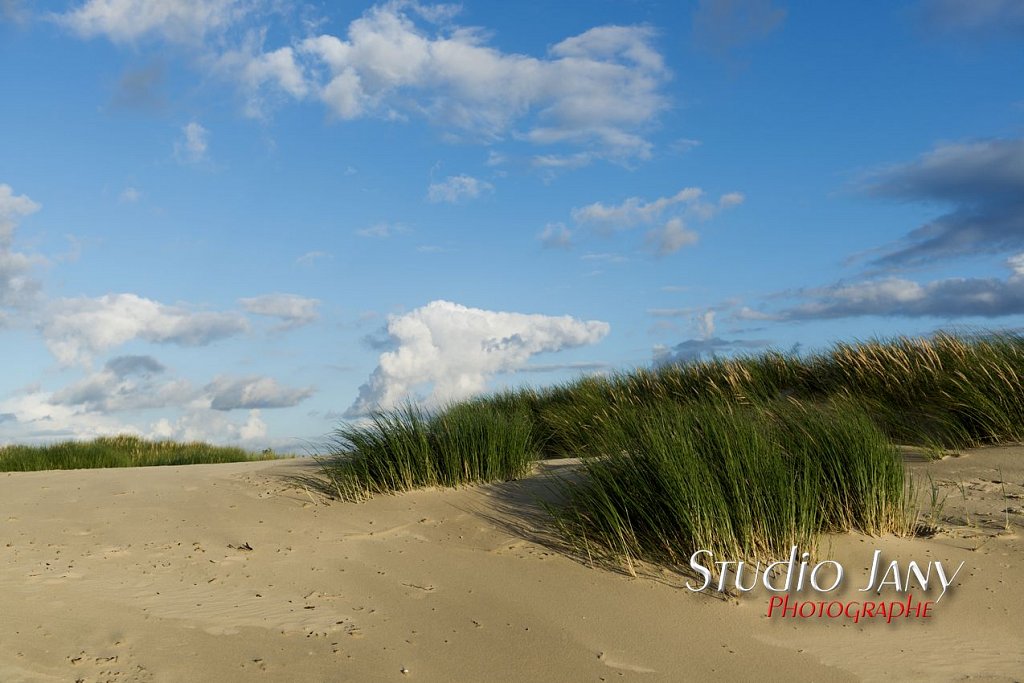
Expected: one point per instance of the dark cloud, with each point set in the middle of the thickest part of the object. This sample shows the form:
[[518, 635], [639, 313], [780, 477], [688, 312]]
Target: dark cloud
[[693, 350], [122, 366], [140, 89], [723, 26], [949, 298], [14, 10], [982, 182], [380, 340], [8, 417]]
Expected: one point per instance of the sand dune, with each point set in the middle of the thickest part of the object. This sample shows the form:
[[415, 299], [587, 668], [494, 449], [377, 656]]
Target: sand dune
[[237, 572]]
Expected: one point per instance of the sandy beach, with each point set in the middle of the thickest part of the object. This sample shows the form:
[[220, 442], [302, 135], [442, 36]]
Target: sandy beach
[[239, 572]]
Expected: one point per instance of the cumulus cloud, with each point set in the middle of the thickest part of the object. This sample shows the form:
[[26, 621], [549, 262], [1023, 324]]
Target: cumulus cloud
[[723, 26], [194, 142], [598, 88], [291, 309], [668, 216], [231, 393], [947, 298], [75, 329], [454, 189], [982, 183], [451, 350], [182, 21]]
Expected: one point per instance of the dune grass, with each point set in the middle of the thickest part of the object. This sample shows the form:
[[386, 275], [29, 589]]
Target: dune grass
[[118, 451], [742, 456], [406, 448], [744, 481]]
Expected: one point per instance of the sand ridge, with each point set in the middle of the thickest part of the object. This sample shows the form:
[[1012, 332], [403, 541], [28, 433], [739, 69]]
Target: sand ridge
[[239, 572]]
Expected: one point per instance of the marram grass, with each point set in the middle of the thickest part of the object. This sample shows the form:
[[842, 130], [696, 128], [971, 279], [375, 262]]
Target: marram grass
[[118, 451], [409, 448], [739, 480], [743, 456]]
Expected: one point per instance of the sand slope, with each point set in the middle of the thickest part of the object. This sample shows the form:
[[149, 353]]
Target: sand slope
[[145, 575]]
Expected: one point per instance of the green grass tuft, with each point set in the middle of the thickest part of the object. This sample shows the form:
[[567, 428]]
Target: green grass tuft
[[470, 442]]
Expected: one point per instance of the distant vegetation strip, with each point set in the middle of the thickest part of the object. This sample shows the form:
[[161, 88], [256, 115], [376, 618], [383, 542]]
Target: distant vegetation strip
[[119, 451]]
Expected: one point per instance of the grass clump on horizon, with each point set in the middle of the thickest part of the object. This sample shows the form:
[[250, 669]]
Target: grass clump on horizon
[[119, 451], [409, 448]]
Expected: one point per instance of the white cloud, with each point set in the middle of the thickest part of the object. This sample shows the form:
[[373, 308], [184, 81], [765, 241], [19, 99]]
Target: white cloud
[[671, 237], [37, 418], [633, 211], [595, 89], [17, 285], [12, 208], [256, 71], [193, 145], [129, 195], [291, 309], [454, 189], [310, 258], [212, 426], [555, 236], [452, 350], [230, 393], [75, 329], [183, 21], [382, 230]]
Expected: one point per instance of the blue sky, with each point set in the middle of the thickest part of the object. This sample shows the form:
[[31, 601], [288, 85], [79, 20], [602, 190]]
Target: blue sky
[[245, 221]]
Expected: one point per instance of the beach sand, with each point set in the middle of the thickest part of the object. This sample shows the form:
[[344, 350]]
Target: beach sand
[[238, 572]]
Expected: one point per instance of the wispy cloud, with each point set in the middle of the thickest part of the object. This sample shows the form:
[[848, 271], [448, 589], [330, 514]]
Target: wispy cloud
[[725, 26], [193, 144], [382, 230], [454, 189], [978, 18], [668, 216], [291, 309], [555, 236]]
